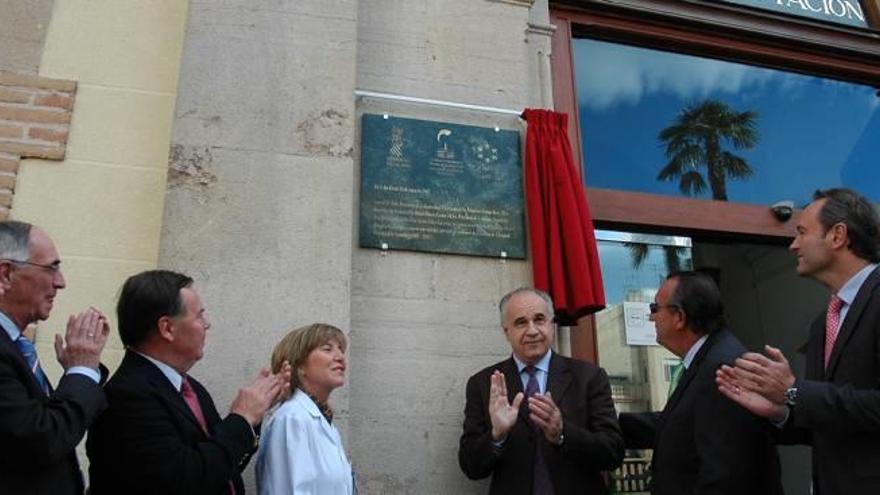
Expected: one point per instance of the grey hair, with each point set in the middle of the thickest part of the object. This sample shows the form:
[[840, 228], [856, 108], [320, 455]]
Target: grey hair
[[502, 306], [14, 239]]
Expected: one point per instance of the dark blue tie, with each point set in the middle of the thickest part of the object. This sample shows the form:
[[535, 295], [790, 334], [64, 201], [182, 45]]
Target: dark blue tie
[[541, 484], [30, 355]]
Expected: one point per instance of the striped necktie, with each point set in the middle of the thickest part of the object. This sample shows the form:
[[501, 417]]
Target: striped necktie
[[33, 361]]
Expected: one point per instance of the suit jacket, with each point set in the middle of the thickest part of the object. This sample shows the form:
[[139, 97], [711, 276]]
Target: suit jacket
[[39, 434], [838, 409], [592, 436], [704, 443], [148, 441]]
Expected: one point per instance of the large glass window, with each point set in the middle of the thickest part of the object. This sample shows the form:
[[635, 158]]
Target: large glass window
[[668, 123], [634, 267], [641, 372]]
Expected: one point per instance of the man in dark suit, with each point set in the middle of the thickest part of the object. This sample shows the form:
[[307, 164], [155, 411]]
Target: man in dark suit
[[41, 426], [161, 432], [702, 442], [836, 406], [538, 423]]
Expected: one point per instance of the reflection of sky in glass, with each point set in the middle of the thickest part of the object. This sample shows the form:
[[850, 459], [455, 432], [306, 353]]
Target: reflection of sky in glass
[[623, 281], [813, 132]]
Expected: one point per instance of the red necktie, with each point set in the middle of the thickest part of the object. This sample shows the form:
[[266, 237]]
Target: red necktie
[[189, 396], [832, 326]]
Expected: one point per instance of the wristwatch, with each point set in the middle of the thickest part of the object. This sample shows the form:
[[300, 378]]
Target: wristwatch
[[791, 396]]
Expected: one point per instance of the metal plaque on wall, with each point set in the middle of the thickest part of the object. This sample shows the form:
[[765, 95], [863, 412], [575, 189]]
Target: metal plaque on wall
[[440, 187]]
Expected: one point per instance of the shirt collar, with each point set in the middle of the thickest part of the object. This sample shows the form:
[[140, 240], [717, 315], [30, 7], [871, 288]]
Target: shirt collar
[[692, 352], [849, 290], [10, 327], [543, 364], [173, 376], [303, 398]]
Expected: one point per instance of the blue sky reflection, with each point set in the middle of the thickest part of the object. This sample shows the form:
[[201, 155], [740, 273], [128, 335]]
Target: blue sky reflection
[[813, 132]]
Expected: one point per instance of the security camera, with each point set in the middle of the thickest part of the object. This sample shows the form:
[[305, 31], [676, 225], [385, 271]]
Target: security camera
[[782, 210]]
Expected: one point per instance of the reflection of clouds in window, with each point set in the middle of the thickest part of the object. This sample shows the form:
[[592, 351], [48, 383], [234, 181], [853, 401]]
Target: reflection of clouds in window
[[610, 74], [874, 100]]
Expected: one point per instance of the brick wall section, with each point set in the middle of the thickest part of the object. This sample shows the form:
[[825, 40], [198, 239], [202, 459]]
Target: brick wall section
[[34, 123]]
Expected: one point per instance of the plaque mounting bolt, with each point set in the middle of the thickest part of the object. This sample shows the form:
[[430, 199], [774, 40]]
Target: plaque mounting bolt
[[384, 248], [497, 129], [503, 255], [385, 116]]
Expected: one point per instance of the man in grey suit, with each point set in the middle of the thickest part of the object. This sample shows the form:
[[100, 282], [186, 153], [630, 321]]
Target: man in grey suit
[[702, 442], [836, 406]]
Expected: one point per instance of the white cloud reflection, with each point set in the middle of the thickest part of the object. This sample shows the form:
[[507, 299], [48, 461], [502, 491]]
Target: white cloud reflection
[[619, 74]]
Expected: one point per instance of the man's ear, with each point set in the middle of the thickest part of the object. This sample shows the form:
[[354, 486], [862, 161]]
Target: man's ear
[[839, 235], [165, 325], [6, 273], [681, 322]]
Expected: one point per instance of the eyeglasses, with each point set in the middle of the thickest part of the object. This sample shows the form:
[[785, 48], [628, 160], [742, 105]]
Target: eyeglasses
[[54, 267], [655, 307]]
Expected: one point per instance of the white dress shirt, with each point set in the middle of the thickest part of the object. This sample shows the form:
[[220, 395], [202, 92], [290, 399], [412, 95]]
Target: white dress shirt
[[301, 453], [542, 368]]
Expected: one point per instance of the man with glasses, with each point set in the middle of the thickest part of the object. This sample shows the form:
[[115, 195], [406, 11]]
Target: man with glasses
[[40, 426], [702, 442], [537, 422], [835, 408]]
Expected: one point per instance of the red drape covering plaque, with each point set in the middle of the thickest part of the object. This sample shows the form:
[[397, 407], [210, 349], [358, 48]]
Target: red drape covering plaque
[[564, 257]]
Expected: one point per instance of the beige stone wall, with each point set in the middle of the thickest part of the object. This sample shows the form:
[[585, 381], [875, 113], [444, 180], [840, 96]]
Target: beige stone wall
[[103, 203], [423, 323], [23, 26]]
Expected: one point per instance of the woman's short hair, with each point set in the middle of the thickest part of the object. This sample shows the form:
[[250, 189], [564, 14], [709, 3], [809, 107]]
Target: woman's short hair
[[296, 346]]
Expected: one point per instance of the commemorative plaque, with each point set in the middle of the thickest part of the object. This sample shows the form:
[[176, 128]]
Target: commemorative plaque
[[440, 187]]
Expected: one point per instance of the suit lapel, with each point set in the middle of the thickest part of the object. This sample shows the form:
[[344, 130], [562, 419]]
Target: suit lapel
[[852, 318], [690, 372], [559, 378], [814, 348], [33, 384], [163, 388]]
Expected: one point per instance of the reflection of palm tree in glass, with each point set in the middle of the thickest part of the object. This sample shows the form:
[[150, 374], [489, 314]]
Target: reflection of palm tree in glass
[[672, 255], [695, 140]]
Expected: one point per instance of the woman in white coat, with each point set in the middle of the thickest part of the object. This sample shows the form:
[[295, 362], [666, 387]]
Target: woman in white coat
[[300, 450]]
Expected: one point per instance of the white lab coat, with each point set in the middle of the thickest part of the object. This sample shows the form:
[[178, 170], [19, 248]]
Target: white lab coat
[[301, 453]]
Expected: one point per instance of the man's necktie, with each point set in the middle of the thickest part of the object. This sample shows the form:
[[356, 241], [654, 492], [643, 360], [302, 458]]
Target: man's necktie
[[192, 400], [832, 326], [30, 355], [676, 373], [541, 484], [189, 396]]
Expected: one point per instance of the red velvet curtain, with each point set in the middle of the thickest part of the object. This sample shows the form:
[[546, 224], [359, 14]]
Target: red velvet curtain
[[564, 257]]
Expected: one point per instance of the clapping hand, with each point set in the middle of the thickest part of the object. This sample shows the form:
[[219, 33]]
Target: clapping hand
[[546, 415], [83, 341], [758, 383], [266, 390], [501, 412]]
